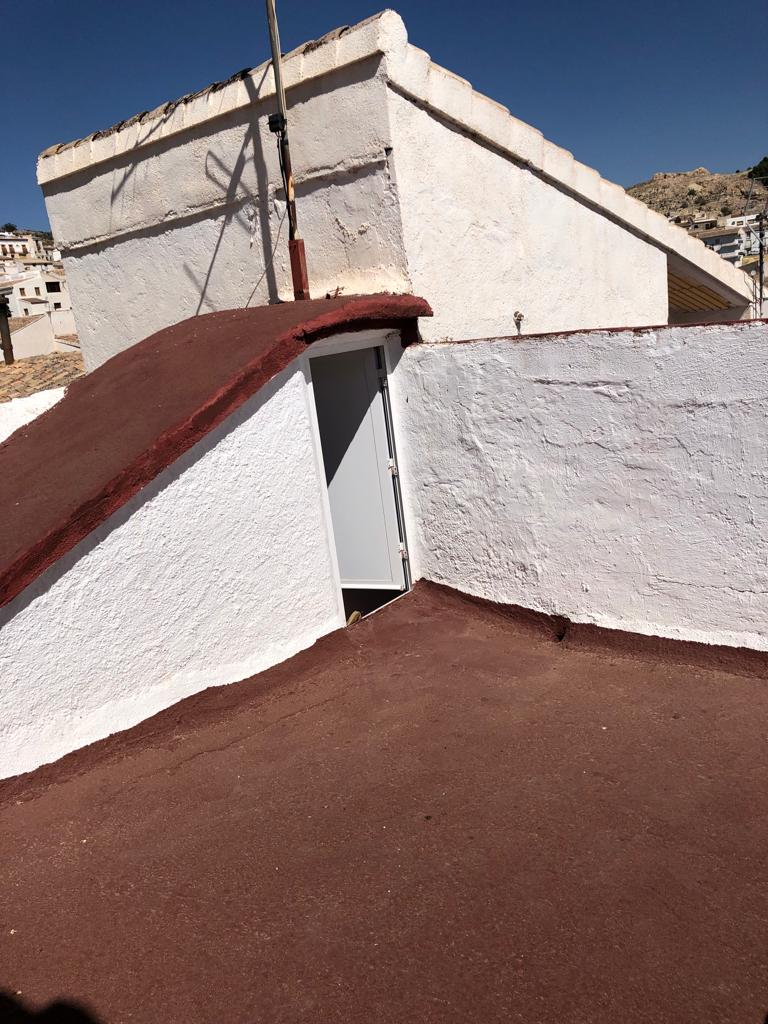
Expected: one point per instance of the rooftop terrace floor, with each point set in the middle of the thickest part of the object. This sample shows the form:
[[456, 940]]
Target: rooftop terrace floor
[[441, 814]]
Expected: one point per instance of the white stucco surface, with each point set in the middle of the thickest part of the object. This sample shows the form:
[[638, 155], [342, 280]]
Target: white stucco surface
[[407, 180], [63, 322], [618, 478], [217, 263], [217, 570], [195, 222], [18, 411], [486, 237], [34, 339]]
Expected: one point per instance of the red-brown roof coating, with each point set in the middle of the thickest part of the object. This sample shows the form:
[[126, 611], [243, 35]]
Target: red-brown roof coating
[[442, 815], [118, 427]]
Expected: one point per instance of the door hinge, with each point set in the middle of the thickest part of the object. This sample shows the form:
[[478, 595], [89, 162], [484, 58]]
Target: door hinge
[[392, 467], [403, 552]]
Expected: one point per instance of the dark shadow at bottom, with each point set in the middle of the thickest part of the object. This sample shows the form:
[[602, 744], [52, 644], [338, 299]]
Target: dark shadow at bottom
[[367, 601], [13, 1011]]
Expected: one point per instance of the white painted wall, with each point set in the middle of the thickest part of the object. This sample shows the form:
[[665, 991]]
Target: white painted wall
[[180, 213], [35, 339], [217, 263], [191, 223], [63, 322], [615, 478], [217, 570], [18, 411], [486, 237]]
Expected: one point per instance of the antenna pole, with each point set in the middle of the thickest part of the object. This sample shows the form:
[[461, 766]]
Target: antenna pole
[[760, 262], [6, 344], [278, 123]]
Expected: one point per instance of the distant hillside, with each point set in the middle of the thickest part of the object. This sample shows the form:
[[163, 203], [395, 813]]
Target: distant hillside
[[696, 192], [9, 226]]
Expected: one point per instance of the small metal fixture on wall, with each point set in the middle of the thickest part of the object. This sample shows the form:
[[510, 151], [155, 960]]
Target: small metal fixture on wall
[[278, 123]]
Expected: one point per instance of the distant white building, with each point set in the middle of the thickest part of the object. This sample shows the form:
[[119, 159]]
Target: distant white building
[[733, 238], [40, 294], [737, 240], [33, 291], [745, 220], [750, 228], [725, 240], [30, 248]]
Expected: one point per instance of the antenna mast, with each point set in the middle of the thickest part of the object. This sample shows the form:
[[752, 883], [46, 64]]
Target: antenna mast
[[278, 123], [759, 287]]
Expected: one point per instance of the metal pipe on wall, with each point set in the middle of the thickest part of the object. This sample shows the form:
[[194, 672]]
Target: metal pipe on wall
[[6, 344], [278, 123]]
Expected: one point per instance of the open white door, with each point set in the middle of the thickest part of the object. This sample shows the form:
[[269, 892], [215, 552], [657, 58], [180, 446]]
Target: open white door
[[360, 469]]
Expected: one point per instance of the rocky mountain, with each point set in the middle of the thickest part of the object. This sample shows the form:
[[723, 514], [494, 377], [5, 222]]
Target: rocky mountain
[[691, 193]]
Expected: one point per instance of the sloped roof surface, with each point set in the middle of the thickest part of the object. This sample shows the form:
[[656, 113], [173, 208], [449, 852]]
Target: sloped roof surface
[[17, 323], [446, 814], [118, 427]]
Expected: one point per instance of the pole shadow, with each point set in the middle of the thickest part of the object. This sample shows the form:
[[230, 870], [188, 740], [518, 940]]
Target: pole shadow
[[228, 181]]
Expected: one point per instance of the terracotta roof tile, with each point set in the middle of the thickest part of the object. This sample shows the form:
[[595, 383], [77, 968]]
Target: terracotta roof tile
[[39, 373]]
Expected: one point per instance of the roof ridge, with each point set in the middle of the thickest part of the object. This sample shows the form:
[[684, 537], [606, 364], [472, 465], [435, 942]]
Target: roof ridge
[[169, 106]]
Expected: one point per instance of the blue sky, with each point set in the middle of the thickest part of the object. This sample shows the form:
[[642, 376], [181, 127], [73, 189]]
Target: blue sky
[[629, 88]]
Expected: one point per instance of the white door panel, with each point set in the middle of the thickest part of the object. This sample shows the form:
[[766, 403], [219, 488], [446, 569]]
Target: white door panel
[[353, 435]]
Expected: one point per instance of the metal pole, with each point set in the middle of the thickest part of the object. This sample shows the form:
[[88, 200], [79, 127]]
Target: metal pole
[[5, 331], [760, 261], [278, 123], [277, 65]]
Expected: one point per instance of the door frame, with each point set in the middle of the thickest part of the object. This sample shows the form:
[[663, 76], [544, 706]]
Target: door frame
[[389, 341]]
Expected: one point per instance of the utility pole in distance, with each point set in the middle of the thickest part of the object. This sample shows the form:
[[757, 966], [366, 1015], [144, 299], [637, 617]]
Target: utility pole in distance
[[760, 261], [5, 331], [278, 123]]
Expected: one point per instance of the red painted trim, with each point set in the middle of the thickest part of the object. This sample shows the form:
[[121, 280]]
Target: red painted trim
[[117, 428], [298, 258]]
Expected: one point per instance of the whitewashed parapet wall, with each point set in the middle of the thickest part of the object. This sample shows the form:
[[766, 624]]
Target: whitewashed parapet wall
[[617, 478], [218, 569], [538, 231], [408, 180], [182, 212], [509, 241]]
